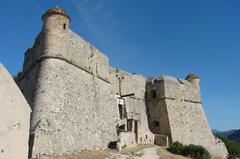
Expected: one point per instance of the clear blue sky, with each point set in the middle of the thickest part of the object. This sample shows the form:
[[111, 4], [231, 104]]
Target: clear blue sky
[[151, 37]]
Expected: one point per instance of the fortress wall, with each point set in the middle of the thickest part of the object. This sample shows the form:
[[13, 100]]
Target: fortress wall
[[178, 88], [77, 51], [133, 83], [130, 83], [65, 80], [74, 110], [72, 90], [32, 54], [185, 120], [70, 47], [29, 83], [157, 109], [189, 125]]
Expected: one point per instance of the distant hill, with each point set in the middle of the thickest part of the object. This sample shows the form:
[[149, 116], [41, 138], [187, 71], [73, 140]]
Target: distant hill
[[233, 135]]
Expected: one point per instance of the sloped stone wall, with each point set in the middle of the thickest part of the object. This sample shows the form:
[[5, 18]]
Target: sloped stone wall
[[65, 80], [73, 110], [178, 109]]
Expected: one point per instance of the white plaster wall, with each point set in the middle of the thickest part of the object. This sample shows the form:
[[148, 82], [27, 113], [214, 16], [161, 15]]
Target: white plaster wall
[[14, 119]]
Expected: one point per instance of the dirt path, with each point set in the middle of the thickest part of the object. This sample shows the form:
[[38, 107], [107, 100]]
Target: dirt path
[[149, 153], [140, 152]]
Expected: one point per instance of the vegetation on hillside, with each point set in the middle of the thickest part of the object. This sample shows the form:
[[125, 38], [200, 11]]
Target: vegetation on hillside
[[235, 136], [232, 147], [193, 151]]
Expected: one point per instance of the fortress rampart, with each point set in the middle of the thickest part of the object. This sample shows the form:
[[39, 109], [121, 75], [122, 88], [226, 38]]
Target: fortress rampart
[[181, 116], [79, 102]]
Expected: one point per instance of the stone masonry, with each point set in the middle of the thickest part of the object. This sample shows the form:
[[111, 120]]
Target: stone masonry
[[79, 102], [181, 116]]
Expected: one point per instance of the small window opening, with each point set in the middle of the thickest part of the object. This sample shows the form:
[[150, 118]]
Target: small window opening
[[156, 123], [122, 127], [153, 93], [120, 111], [64, 26]]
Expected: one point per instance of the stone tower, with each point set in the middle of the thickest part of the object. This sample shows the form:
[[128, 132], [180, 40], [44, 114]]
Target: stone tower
[[175, 110], [65, 80]]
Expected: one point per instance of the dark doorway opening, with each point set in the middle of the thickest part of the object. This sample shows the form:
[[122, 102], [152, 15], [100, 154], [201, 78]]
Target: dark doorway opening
[[136, 130], [112, 145], [30, 144], [120, 111], [130, 125]]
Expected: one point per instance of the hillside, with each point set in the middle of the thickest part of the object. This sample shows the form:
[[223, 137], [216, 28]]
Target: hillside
[[233, 135]]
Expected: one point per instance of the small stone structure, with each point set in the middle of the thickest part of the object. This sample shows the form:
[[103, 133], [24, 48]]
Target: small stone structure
[[14, 119], [79, 102]]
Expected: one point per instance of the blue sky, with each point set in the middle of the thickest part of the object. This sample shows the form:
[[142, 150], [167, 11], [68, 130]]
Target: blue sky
[[151, 37]]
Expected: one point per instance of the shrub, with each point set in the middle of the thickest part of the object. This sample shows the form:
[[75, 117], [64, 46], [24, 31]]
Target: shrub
[[194, 151], [176, 148], [233, 148]]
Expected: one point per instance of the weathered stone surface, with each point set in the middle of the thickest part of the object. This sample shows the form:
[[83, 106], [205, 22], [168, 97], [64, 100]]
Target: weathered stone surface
[[81, 112], [126, 140], [81, 103], [176, 111], [14, 119], [161, 140], [65, 80], [135, 105]]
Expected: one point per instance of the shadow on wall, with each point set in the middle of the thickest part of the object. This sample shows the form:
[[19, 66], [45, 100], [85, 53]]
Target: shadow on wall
[[147, 107], [28, 82]]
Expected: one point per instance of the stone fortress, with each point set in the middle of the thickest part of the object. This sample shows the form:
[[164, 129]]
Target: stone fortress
[[80, 103]]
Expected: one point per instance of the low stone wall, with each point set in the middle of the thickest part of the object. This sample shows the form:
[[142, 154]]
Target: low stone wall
[[161, 140]]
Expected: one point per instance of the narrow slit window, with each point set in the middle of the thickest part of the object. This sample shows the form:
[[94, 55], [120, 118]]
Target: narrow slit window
[[64, 26], [153, 93], [156, 123]]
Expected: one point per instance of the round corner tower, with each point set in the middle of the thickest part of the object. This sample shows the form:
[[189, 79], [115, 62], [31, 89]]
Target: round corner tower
[[55, 19], [194, 79]]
